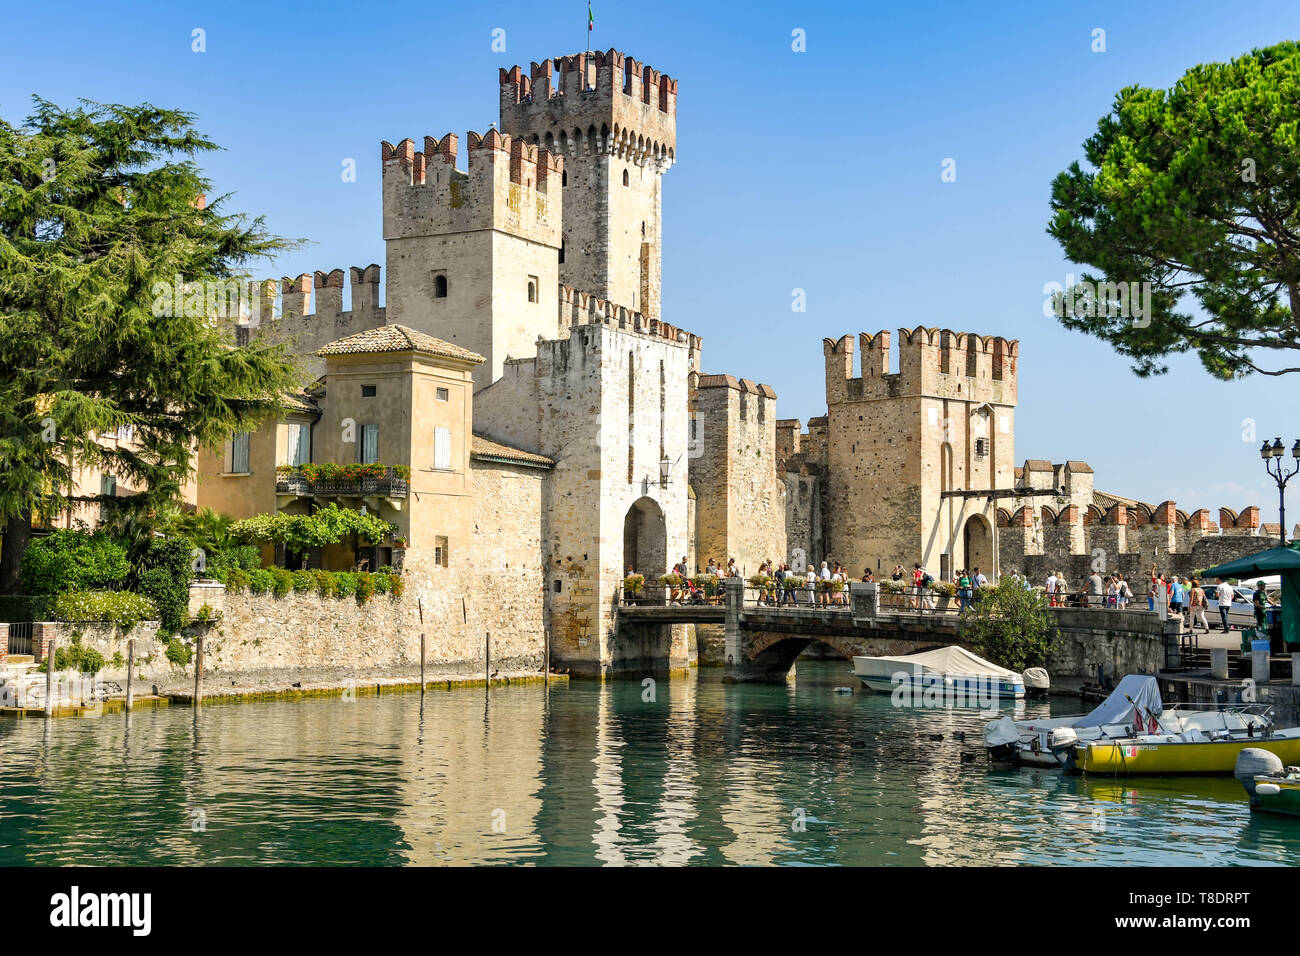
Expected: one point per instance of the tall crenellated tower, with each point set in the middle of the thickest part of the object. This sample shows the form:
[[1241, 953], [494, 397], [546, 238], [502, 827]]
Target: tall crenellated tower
[[473, 255], [614, 121], [913, 454]]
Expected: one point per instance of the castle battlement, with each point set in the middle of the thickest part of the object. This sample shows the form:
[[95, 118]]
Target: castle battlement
[[509, 184], [578, 308], [593, 102], [304, 328], [934, 363]]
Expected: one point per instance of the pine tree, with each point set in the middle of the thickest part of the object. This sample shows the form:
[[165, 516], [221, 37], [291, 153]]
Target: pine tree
[[101, 210]]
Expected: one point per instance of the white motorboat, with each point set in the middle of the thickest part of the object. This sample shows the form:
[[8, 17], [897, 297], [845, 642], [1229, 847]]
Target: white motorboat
[[946, 676], [1134, 707]]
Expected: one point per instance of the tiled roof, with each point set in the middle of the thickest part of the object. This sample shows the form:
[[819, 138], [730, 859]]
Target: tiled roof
[[1037, 464], [299, 402], [397, 338], [740, 384], [1106, 501], [486, 449]]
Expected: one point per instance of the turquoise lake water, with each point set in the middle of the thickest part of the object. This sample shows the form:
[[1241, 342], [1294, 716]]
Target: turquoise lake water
[[590, 774]]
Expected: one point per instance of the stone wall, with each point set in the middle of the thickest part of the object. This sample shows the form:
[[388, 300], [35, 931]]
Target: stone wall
[[1136, 567], [1121, 642], [262, 639]]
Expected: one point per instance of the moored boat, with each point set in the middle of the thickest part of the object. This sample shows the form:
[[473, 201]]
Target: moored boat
[[1192, 751], [951, 676], [1272, 787]]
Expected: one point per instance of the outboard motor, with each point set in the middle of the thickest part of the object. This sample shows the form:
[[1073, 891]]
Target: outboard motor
[[1253, 762]]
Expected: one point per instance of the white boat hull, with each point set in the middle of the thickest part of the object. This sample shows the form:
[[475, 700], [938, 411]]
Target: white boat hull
[[886, 676]]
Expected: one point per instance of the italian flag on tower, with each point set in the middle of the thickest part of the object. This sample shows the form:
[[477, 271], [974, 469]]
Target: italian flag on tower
[[591, 21]]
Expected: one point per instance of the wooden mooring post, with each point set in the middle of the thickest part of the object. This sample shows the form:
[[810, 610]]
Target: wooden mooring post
[[130, 672], [487, 659], [49, 678], [198, 673], [420, 607]]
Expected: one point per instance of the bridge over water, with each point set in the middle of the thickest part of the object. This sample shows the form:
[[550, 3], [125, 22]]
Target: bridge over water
[[764, 638]]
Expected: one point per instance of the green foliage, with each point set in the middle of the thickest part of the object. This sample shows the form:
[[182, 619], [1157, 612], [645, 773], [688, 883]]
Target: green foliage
[[382, 583], [671, 580], [281, 582], [397, 584], [118, 661], [164, 575], [345, 584], [302, 533], [945, 588], [237, 581], [99, 214], [1010, 626], [77, 657], [365, 586], [260, 581], [326, 583], [303, 580], [246, 557], [634, 583], [69, 560], [1195, 190], [24, 607], [178, 652], [123, 608]]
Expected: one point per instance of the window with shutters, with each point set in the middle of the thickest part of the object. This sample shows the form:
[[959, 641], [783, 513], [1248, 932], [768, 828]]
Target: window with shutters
[[442, 449], [108, 489], [237, 454], [299, 444], [369, 447]]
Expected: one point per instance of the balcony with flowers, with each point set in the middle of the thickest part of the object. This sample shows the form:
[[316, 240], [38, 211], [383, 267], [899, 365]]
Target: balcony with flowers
[[329, 480]]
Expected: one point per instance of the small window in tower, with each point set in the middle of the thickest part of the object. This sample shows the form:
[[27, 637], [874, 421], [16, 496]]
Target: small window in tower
[[564, 178], [626, 179], [563, 243], [368, 391], [442, 395], [532, 288], [981, 447], [440, 287], [642, 228]]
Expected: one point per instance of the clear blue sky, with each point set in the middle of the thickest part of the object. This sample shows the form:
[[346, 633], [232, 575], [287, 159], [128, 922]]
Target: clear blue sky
[[817, 170]]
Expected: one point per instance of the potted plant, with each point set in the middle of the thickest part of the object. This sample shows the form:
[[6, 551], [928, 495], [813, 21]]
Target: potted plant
[[633, 586], [945, 591], [399, 542]]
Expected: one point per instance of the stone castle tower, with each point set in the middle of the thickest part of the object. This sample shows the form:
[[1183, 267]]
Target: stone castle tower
[[473, 256], [614, 121], [914, 455]]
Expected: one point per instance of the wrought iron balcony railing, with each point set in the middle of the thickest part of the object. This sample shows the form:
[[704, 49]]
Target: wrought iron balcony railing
[[317, 482]]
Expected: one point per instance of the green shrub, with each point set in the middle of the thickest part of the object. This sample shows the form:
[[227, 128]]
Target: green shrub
[[123, 608], [237, 581], [260, 581], [383, 583], [25, 607], [83, 660], [671, 580], [345, 584], [70, 560], [365, 586], [303, 580], [118, 661], [165, 572], [398, 585], [326, 583], [246, 557], [178, 652], [281, 581]]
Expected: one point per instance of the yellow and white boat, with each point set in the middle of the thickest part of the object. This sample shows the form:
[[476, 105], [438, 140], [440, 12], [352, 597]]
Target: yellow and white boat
[[1193, 751]]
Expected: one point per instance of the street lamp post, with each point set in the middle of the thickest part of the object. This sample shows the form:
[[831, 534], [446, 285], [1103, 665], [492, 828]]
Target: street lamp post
[[1275, 451]]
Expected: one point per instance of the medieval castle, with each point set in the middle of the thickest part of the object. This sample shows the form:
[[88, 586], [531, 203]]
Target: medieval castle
[[558, 431]]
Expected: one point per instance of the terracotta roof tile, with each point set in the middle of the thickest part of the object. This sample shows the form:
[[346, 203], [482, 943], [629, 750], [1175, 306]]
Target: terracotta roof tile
[[397, 338], [485, 448]]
